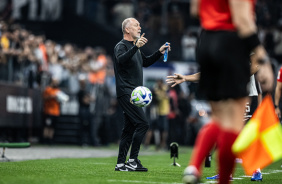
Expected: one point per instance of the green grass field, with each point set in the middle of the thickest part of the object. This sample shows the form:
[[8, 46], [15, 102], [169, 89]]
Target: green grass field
[[101, 170]]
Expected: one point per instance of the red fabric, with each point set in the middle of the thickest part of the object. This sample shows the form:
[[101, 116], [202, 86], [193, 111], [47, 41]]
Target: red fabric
[[205, 141], [215, 15], [279, 76], [226, 156]]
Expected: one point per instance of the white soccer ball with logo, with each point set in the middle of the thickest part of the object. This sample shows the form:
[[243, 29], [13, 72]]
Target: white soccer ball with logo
[[141, 96]]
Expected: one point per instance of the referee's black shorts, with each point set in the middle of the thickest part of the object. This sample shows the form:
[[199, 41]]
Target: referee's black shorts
[[224, 65], [133, 113]]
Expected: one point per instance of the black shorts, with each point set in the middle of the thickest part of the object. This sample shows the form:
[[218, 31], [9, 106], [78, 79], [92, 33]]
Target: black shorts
[[50, 121], [224, 65], [134, 113]]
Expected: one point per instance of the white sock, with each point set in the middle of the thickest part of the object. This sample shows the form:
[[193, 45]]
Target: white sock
[[120, 165], [130, 160], [258, 170]]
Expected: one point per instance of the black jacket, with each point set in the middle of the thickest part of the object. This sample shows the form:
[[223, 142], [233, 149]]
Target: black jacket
[[128, 63]]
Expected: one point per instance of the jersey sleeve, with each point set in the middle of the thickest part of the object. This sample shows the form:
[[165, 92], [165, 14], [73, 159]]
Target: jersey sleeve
[[279, 76], [122, 54]]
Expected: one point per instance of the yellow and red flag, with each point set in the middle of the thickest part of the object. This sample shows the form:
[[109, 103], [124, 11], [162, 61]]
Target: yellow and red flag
[[260, 142]]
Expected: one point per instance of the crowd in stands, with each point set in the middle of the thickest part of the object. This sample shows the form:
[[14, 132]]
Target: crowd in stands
[[32, 61], [170, 21], [33, 56]]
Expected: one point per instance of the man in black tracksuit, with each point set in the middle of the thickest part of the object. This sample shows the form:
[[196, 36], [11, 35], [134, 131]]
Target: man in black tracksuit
[[128, 63]]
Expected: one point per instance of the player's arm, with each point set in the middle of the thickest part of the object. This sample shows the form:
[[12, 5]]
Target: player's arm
[[243, 18], [277, 96], [178, 78], [192, 78], [194, 8]]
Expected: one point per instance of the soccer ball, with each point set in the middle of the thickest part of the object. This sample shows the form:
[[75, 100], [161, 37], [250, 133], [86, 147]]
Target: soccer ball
[[141, 96]]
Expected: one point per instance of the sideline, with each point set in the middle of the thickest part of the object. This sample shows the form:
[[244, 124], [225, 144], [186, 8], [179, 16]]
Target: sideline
[[58, 151]]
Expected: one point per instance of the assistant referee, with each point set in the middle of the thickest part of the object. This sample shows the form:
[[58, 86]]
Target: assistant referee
[[229, 35]]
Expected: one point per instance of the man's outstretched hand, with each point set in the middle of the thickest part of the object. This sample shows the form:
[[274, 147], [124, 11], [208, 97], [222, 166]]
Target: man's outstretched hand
[[175, 79]]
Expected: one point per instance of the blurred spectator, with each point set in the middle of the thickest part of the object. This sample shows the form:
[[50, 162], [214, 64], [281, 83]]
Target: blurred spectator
[[51, 110], [269, 41], [278, 42], [163, 107], [173, 113], [5, 42], [143, 14], [41, 52], [110, 80], [175, 19], [175, 27], [69, 59], [55, 68], [122, 10], [73, 82], [97, 67], [263, 13], [151, 112], [200, 114], [116, 121], [184, 107], [155, 17], [188, 44], [85, 115], [157, 114]]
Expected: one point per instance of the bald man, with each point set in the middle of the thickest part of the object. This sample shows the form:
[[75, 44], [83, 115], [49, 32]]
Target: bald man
[[128, 63]]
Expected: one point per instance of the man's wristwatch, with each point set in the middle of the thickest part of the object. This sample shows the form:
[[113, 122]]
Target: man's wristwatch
[[275, 106]]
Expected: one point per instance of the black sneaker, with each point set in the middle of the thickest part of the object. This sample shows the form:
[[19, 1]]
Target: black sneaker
[[136, 165], [122, 168]]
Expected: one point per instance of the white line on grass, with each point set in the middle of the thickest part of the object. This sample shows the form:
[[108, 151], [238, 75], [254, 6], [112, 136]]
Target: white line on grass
[[136, 181], [153, 182], [101, 163], [237, 178], [275, 171], [245, 176]]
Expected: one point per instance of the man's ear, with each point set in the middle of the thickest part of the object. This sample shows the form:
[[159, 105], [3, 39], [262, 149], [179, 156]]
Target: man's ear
[[126, 30]]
